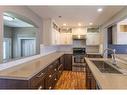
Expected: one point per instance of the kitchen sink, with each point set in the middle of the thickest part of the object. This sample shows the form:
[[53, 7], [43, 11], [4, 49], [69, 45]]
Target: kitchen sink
[[105, 67]]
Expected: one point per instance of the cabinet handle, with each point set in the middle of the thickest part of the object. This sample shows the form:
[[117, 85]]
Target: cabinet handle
[[40, 87], [40, 75], [50, 76], [54, 69], [59, 67], [50, 87]]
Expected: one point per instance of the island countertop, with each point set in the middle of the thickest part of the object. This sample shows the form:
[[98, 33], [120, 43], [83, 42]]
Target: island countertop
[[28, 70], [122, 56], [107, 80]]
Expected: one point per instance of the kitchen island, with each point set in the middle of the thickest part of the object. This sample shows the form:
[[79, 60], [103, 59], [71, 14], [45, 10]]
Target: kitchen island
[[41, 73], [101, 80]]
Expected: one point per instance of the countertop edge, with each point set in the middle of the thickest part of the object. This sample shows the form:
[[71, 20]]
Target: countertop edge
[[43, 67]]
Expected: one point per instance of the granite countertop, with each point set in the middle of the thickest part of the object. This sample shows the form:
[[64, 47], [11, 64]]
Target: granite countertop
[[122, 56], [93, 53], [28, 70], [107, 80]]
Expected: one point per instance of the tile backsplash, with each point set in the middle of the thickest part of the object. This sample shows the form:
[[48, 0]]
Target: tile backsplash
[[65, 48], [44, 50]]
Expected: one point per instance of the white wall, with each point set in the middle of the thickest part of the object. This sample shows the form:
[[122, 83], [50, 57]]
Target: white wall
[[116, 18], [121, 36], [65, 48], [23, 11], [114, 34], [23, 32], [44, 50]]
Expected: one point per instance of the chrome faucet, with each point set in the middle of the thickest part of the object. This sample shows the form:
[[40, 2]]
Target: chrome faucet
[[113, 55]]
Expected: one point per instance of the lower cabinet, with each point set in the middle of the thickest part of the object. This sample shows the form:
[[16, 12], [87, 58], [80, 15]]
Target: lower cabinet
[[45, 79], [37, 82], [94, 55], [90, 80], [68, 62]]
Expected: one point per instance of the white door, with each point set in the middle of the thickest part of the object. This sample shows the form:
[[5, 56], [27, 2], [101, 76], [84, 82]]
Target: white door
[[7, 48], [28, 47]]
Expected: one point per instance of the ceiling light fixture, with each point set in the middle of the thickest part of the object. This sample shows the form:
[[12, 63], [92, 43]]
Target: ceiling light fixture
[[60, 16], [100, 10], [6, 17], [64, 24], [90, 23], [79, 24]]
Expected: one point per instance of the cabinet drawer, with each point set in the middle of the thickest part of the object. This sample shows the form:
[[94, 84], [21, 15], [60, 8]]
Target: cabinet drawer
[[60, 70], [53, 68], [50, 83], [37, 79], [62, 59]]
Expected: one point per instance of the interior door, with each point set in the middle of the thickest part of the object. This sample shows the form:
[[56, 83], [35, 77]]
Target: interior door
[[7, 48], [28, 47]]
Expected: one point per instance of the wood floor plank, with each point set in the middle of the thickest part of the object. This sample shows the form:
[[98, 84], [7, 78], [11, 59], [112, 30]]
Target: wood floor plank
[[71, 80]]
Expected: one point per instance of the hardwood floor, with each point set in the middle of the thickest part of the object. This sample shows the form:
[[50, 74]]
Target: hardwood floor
[[71, 80]]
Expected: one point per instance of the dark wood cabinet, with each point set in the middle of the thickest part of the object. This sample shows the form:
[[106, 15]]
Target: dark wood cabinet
[[90, 80], [94, 55], [37, 82], [45, 79], [51, 75], [14, 84], [54, 72], [68, 62]]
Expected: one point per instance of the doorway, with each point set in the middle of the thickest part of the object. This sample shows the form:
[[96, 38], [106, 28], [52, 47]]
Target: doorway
[[7, 48], [28, 47]]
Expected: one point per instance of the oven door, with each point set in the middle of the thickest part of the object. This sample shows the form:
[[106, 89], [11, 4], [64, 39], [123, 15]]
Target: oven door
[[79, 59], [79, 51], [78, 63]]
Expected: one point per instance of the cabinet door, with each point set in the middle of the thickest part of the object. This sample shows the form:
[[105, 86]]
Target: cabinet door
[[90, 80], [94, 55], [65, 38], [53, 36], [37, 82], [93, 39], [57, 37], [68, 62], [60, 70], [69, 38], [62, 60]]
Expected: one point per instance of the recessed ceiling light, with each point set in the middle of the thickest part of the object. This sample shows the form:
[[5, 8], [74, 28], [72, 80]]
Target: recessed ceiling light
[[64, 24], [100, 10], [60, 16], [8, 18], [90, 23], [79, 24]]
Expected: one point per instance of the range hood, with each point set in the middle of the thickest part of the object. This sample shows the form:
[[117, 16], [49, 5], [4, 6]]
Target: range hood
[[79, 37]]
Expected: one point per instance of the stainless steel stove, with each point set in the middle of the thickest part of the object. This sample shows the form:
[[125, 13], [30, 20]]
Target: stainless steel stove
[[78, 59]]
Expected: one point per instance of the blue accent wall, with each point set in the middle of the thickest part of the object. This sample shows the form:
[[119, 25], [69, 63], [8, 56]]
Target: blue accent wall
[[120, 49]]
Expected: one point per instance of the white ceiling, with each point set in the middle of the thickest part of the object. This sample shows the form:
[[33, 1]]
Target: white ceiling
[[72, 15], [16, 22]]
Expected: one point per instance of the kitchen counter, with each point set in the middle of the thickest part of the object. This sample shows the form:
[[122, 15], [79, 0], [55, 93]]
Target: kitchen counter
[[122, 56], [93, 53], [28, 70], [107, 80]]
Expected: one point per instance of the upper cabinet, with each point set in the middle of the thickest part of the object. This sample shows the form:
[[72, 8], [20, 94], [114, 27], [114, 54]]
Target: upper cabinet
[[53, 35], [93, 36], [51, 32], [79, 31], [66, 36]]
